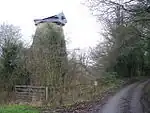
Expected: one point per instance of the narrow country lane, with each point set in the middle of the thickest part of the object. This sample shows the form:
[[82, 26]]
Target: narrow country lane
[[125, 101]]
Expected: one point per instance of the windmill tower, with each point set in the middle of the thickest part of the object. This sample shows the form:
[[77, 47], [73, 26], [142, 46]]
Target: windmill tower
[[49, 54]]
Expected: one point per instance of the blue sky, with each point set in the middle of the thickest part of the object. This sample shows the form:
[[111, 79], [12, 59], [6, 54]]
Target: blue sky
[[81, 31]]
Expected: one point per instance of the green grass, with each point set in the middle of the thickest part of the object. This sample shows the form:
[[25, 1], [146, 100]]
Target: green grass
[[17, 109]]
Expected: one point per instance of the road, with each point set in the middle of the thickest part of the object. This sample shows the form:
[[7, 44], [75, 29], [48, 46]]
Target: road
[[125, 101]]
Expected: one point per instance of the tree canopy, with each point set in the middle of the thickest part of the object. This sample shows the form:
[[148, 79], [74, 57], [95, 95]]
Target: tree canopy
[[126, 46]]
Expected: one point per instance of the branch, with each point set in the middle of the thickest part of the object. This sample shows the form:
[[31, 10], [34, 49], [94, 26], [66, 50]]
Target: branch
[[128, 1], [109, 2], [142, 19]]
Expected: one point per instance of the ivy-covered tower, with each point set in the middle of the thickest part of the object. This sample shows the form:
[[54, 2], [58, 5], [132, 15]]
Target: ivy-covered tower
[[49, 56]]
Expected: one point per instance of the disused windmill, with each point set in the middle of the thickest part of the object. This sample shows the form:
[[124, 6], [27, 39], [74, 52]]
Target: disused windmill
[[49, 56]]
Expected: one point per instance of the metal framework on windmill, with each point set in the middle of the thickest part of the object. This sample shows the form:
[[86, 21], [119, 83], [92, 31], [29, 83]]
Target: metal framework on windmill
[[58, 19]]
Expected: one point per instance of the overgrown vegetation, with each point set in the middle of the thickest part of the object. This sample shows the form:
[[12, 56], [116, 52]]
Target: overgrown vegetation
[[12, 68], [125, 49], [124, 53]]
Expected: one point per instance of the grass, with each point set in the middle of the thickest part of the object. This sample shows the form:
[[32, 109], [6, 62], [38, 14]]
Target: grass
[[17, 109]]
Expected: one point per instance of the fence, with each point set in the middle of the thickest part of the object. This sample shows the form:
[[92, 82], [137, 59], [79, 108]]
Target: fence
[[31, 93], [55, 96]]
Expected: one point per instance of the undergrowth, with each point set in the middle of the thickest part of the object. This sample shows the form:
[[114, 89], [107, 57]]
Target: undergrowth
[[86, 92]]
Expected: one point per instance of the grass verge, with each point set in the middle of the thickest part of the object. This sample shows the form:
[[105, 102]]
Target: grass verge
[[17, 109]]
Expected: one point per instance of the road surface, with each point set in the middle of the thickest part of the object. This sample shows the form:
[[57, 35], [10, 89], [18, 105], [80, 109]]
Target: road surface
[[125, 101]]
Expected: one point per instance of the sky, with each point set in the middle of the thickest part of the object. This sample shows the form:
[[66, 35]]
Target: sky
[[81, 31]]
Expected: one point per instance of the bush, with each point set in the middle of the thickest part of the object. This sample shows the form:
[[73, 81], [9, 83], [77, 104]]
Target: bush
[[110, 78]]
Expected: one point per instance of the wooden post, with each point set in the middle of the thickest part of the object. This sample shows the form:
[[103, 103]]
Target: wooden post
[[46, 93]]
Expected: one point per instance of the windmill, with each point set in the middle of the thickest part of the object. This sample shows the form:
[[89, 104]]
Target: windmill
[[58, 19]]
